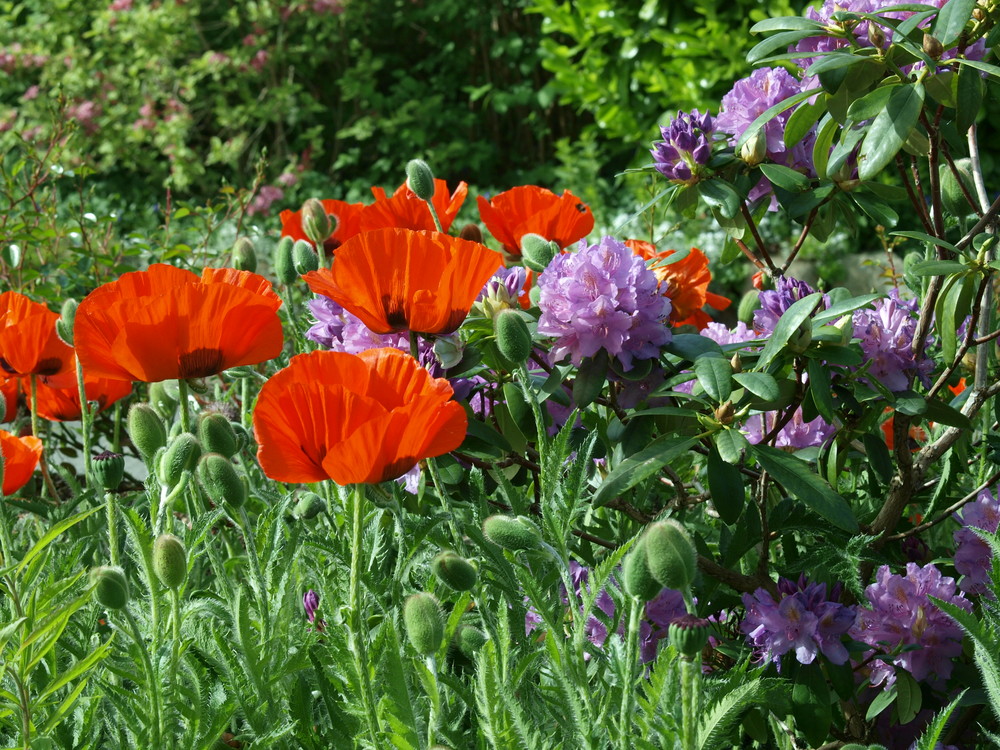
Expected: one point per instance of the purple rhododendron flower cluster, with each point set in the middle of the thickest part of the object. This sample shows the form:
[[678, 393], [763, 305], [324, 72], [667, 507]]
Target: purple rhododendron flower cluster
[[902, 615], [828, 43], [774, 302], [602, 297], [506, 284], [795, 434], [886, 334], [803, 619], [973, 556], [686, 146]]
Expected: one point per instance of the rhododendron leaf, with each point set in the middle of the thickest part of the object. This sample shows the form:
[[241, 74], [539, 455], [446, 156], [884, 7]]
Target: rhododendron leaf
[[811, 704], [938, 411], [690, 346], [820, 389], [969, 95], [715, 376], [826, 131], [869, 105], [882, 701], [951, 21], [779, 42], [640, 466], [844, 306], [726, 485], [720, 196], [731, 444], [789, 323], [787, 23], [908, 696], [785, 177], [759, 384], [890, 130], [802, 120]]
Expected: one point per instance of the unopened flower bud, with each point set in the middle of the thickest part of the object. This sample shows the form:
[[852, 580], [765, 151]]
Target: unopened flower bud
[[170, 560], [671, 555], [512, 335], [637, 576], [449, 351], [537, 252], [455, 571], [108, 469], [309, 506], [163, 398], [216, 434], [424, 623], [933, 47], [725, 413], [420, 179], [754, 149], [284, 266], [472, 232], [511, 533], [799, 341], [64, 325], [689, 634], [876, 37], [304, 258], [181, 455], [146, 430], [316, 222], [110, 586], [736, 363], [468, 640], [221, 481], [244, 255]]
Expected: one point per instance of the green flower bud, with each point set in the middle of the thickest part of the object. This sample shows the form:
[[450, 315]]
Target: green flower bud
[[424, 623], [284, 266], [216, 434], [110, 586], [221, 481], [64, 325], [455, 571], [754, 149], [736, 363], [512, 533], [244, 255], [636, 575], [725, 413], [316, 222], [163, 397], [146, 430], [799, 341], [512, 335], [689, 634], [472, 233], [537, 252], [181, 455], [748, 303], [243, 439], [420, 179], [309, 506], [876, 37], [169, 560], [108, 469], [304, 258], [468, 640], [671, 555], [534, 294]]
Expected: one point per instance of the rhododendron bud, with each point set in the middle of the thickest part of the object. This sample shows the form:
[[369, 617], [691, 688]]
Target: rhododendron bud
[[216, 434], [512, 335], [108, 469], [420, 179], [754, 149], [181, 455], [221, 481], [64, 325], [304, 258], [512, 534], [110, 586], [455, 571], [671, 555], [244, 255], [316, 222], [725, 413], [424, 623], [146, 430], [736, 363], [284, 266], [876, 37], [537, 252], [170, 560], [933, 47]]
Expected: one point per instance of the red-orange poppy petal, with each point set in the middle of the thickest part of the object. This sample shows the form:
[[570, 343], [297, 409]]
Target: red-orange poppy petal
[[396, 280], [20, 455], [28, 341], [529, 209], [348, 216], [404, 210], [8, 390], [684, 281], [63, 404], [245, 279]]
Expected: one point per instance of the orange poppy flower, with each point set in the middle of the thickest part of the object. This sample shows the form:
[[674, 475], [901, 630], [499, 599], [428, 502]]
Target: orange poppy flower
[[348, 217], [529, 209], [684, 282], [9, 391], [397, 280], [354, 418], [406, 211], [917, 434], [20, 457], [166, 323], [28, 341], [959, 388], [63, 404]]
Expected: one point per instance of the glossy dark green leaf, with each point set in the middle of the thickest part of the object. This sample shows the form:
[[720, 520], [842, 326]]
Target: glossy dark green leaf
[[640, 467], [690, 346], [969, 93], [837, 61], [937, 267], [759, 384], [771, 112], [785, 177], [819, 387], [731, 444], [993, 70], [787, 23], [715, 376], [922, 237], [802, 120], [869, 105], [844, 306], [788, 324], [942, 413], [951, 22], [825, 133], [882, 701], [811, 704], [726, 485], [779, 41], [890, 130], [876, 208], [908, 697], [720, 196]]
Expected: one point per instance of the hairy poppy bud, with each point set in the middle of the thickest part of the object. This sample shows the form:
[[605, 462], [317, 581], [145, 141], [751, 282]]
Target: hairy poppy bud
[[64, 325], [636, 575], [513, 337], [110, 586], [169, 560], [537, 252], [468, 640], [304, 258], [146, 430], [181, 455], [163, 398], [316, 222], [244, 255], [309, 506], [671, 555], [420, 179], [284, 266], [512, 533], [221, 481], [455, 571], [216, 434], [108, 469], [472, 232], [424, 624], [689, 634]]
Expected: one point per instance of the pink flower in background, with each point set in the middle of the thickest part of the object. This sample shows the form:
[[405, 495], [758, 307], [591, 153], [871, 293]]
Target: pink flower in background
[[120, 5], [287, 179], [259, 60], [267, 195], [332, 7], [84, 113]]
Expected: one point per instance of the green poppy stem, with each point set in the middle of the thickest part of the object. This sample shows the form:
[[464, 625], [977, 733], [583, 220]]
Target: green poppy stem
[[358, 629]]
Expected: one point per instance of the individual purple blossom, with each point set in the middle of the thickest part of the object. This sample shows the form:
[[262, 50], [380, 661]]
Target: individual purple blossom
[[774, 302], [722, 336], [803, 619], [973, 556], [794, 435], [506, 284], [661, 610], [602, 297], [902, 615], [310, 601], [686, 146], [886, 334], [824, 43]]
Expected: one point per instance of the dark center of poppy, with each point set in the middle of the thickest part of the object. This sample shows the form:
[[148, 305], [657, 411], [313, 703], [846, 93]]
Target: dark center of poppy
[[200, 363], [395, 315], [49, 366], [397, 468], [330, 246], [5, 366]]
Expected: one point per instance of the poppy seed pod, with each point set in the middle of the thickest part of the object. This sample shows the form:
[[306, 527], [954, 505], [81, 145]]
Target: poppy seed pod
[[512, 533], [108, 469], [244, 255], [468, 640], [512, 335], [64, 326], [670, 554], [316, 222], [420, 179], [216, 434], [424, 623], [304, 258], [537, 252], [146, 430], [455, 571], [221, 481], [689, 634], [284, 266], [110, 586], [169, 560], [636, 575], [181, 455]]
